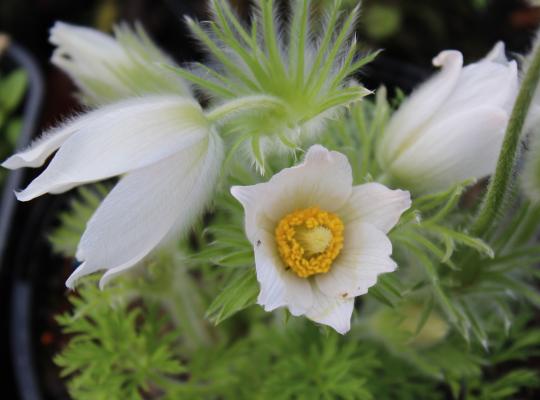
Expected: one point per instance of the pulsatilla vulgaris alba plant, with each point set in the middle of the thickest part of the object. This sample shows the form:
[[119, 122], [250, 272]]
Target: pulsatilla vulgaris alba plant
[[376, 234], [141, 136]]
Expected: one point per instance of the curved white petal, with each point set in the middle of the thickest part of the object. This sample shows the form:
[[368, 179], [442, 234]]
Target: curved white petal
[[324, 179], [365, 255], [469, 149], [377, 205], [147, 207], [119, 138], [334, 312], [249, 197], [497, 54], [38, 151], [279, 287], [484, 83], [421, 105]]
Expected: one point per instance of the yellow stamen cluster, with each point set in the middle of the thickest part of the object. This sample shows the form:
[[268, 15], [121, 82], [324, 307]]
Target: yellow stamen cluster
[[309, 240]]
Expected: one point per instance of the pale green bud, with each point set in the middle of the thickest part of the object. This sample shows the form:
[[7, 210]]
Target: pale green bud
[[107, 69]]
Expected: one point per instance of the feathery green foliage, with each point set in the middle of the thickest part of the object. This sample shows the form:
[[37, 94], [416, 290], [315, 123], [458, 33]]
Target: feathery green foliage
[[117, 351], [277, 80]]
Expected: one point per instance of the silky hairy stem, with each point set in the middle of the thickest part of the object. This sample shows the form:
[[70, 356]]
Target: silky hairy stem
[[500, 183]]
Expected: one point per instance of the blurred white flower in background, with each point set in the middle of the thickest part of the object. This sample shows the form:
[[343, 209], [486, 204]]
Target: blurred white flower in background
[[170, 160], [319, 242], [108, 69], [451, 128]]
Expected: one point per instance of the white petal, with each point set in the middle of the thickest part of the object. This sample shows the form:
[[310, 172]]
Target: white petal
[[38, 152], [118, 138], [324, 179], [279, 287], [484, 83], [365, 255], [148, 207], [497, 54], [85, 40], [377, 205], [421, 105], [249, 197], [469, 149], [332, 311]]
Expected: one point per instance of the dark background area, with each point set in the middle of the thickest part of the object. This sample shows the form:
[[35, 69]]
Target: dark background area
[[411, 32]]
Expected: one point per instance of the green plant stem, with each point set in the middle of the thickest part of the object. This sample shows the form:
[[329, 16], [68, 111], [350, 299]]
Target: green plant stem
[[500, 183], [185, 306]]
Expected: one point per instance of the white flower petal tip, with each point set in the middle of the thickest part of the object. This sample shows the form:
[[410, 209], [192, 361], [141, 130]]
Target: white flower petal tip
[[108, 69], [335, 313], [37, 153], [433, 141], [318, 241], [80, 271], [448, 58], [497, 53], [13, 162]]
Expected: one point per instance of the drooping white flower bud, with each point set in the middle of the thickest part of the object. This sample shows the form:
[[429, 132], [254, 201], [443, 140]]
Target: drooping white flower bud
[[108, 69], [451, 128]]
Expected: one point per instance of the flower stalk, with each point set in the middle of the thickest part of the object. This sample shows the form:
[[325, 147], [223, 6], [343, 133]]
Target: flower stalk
[[500, 184]]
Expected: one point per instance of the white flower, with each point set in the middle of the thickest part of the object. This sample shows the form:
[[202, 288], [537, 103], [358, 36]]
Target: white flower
[[108, 69], [451, 129], [169, 157], [319, 242]]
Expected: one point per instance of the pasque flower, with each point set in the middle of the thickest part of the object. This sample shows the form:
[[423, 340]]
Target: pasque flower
[[318, 240], [451, 129], [108, 69], [148, 130], [168, 155]]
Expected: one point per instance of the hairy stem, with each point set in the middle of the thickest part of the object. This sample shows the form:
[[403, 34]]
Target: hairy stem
[[501, 181]]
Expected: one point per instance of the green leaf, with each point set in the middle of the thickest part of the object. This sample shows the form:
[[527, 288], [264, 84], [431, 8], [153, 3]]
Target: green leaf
[[13, 129], [240, 293], [12, 89]]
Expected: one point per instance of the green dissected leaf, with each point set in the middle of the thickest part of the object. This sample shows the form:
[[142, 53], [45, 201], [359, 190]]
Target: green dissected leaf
[[118, 352], [239, 293]]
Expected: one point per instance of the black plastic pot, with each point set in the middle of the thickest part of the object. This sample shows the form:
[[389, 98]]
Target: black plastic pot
[[15, 340]]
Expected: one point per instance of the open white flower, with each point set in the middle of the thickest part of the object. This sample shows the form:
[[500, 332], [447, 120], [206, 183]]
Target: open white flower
[[451, 129], [169, 157], [319, 242], [108, 69]]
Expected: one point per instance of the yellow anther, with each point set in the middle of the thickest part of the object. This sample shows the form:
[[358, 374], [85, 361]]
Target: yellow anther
[[309, 240]]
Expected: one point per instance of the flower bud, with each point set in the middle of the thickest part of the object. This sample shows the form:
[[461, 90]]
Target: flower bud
[[451, 128], [108, 69]]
